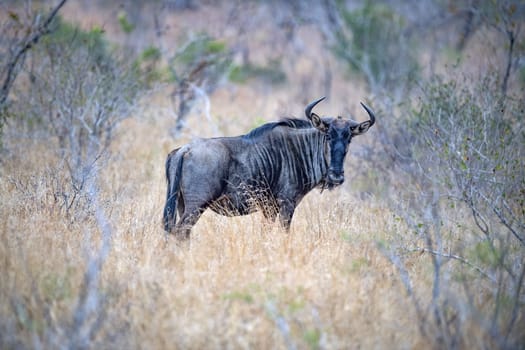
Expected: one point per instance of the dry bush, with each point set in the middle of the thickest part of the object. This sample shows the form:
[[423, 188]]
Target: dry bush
[[78, 92], [22, 27], [463, 182], [75, 94]]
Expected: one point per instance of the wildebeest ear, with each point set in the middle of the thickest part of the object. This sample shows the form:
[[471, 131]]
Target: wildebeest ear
[[319, 123], [361, 128]]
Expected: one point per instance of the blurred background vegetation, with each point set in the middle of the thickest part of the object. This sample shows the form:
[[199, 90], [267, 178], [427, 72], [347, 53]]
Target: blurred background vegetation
[[446, 79]]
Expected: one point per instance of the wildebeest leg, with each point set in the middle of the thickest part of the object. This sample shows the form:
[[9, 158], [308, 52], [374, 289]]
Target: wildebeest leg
[[181, 207], [187, 221], [286, 210]]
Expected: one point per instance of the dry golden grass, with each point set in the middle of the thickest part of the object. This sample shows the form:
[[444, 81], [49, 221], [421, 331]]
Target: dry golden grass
[[239, 282]]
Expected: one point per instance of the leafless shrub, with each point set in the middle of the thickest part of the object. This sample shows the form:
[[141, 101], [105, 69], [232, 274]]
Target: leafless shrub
[[502, 17], [74, 93], [468, 157], [21, 30], [197, 67], [78, 93], [372, 41]]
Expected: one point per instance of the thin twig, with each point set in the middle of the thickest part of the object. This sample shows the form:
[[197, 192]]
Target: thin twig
[[454, 257]]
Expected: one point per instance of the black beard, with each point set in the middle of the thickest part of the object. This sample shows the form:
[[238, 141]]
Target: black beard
[[326, 184]]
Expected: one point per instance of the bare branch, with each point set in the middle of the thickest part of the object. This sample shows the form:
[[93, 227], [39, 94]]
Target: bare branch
[[89, 298], [455, 257], [18, 58], [405, 279], [517, 301]]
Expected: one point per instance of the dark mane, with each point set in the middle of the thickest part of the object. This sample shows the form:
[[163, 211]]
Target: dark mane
[[293, 123]]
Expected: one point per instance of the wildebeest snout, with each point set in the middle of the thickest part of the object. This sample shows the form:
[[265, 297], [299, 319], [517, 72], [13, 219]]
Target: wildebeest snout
[[336, 177]]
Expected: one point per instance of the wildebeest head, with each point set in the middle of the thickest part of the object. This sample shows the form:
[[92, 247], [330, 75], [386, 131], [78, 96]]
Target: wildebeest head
[[339, 132]]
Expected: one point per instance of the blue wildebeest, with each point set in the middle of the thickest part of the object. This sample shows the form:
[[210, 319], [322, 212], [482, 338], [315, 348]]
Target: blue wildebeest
[[270, 169]]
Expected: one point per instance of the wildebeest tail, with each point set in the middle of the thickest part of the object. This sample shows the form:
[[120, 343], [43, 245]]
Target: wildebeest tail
[[173, 176]]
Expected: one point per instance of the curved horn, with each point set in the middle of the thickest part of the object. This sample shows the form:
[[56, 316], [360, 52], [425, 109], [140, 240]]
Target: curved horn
[[370, 113], [308, 110]]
